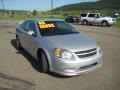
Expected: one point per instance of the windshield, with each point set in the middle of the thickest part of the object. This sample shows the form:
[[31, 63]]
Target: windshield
[[50, 28], [74, 17], [101, 15]]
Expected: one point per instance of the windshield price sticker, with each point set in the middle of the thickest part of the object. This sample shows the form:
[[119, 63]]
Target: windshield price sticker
[[43, 25], [41, 22]]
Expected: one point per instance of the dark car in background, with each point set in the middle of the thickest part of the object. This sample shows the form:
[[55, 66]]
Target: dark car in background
[[72, 19]]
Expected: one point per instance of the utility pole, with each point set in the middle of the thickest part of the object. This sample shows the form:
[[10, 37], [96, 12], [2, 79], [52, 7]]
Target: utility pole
[[3, 7], [51, 4], [51, 8], [61, 11]]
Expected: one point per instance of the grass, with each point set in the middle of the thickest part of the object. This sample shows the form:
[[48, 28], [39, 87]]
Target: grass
[[24, 17], [118, 22]]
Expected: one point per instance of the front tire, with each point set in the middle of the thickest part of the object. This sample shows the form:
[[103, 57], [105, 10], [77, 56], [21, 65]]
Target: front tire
[[105, 23], [43, 62]]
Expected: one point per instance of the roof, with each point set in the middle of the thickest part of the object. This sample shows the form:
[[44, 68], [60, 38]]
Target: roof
[[90, 13], [93, 13], [45, 19]]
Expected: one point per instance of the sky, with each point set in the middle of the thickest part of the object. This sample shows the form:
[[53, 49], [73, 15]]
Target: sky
[[40, 5]]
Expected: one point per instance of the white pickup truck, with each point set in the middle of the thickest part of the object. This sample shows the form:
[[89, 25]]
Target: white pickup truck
[[96, 18]]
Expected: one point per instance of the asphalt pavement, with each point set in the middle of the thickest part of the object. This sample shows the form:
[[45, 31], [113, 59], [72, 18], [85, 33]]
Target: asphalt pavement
[[19, 71]]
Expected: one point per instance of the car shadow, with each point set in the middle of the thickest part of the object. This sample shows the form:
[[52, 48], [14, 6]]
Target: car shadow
[[35, 64], [32, 61], [10, 32]]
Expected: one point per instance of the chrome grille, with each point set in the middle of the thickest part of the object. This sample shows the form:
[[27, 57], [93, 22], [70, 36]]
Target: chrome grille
[[87, 53]]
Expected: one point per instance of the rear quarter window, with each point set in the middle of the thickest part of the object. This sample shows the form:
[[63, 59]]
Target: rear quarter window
[[83, 15]]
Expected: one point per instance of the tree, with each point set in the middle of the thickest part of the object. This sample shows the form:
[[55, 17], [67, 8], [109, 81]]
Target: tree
[[8, 12], [13, 12], [34, 12]]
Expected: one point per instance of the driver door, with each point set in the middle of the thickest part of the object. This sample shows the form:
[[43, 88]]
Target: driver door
[[31, 40], [97, 19]]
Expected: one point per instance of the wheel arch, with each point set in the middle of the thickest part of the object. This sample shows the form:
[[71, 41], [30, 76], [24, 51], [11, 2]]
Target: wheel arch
[[47, 55], [85, 20], [104, 21]]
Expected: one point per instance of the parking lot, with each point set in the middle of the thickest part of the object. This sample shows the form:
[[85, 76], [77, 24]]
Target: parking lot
[[19, 71]]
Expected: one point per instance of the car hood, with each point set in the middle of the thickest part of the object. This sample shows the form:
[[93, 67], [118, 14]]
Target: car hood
[[71, 42], [108, 17]]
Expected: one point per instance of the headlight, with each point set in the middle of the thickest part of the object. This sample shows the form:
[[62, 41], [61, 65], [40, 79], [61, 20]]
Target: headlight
[[110, 19], [62, 53], [99, 49]]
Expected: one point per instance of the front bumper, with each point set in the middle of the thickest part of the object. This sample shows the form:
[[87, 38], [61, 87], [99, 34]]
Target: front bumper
[[111, 22], [77, 67]]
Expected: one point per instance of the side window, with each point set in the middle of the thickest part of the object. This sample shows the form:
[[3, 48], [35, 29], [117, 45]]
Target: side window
[[91, 15], [30, 26], [68, 17], [98, 16], [23, 25]]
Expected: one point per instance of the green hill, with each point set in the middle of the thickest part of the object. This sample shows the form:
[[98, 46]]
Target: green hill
[[101, 4]]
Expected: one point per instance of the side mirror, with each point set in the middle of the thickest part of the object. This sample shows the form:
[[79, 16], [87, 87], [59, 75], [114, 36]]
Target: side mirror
[[31, 33], [96, 16]]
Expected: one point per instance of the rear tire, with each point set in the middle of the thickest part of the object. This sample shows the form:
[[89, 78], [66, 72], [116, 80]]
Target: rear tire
[[85, 22], [43, 61], [18, 44]]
